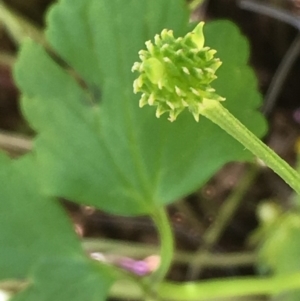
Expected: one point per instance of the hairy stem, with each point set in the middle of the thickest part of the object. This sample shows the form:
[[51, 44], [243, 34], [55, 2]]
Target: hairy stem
[[214, 111]]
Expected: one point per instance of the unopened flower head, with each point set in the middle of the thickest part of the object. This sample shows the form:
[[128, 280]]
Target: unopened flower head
[[176, 73]]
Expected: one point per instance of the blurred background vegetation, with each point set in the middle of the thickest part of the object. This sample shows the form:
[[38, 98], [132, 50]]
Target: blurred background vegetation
[[237, 196]]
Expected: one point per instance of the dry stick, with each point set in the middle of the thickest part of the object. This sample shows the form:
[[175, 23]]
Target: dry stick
[[225, 214], [271, 11], [15, 144], [289, 58], [281, 75]]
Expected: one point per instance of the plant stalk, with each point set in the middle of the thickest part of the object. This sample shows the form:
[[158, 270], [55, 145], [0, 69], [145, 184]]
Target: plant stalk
[[139, 250], [226, 288], [218, 114], [211, 289], [166, 246]]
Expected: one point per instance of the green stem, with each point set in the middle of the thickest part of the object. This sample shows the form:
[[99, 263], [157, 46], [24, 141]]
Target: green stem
[[214, 111], [166, 246], [210, 289], [235, 287], [138, 250]]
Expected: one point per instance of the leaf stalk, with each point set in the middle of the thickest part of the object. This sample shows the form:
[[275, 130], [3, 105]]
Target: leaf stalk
[[167, 246], [214, 111]]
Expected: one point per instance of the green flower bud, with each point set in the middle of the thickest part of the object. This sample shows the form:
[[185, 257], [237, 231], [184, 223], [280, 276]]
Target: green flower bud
[[176, 73]]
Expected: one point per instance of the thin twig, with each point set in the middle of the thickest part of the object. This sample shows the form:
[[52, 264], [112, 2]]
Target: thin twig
[[15, 144], [290, 56], [268, 10], [281, 75]]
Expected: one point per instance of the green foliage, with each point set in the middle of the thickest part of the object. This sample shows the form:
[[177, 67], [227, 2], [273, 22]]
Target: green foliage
[[95, 146], [103, 150], [37, 242], [279, 248]]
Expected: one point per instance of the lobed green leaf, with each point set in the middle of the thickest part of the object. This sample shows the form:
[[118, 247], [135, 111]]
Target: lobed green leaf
[[38, 245], [94, 145]]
